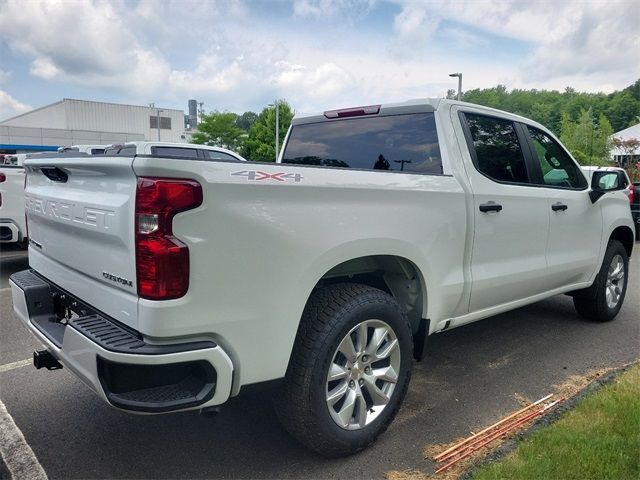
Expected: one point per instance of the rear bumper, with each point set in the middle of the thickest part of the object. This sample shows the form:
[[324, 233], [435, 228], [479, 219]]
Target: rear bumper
[[116, 362], [9, 232]]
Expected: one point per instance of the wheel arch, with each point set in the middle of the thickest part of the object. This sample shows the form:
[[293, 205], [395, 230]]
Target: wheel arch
[[397, 275], [394, 273], [625, 236]]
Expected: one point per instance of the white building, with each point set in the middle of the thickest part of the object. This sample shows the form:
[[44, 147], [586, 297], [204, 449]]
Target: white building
[[70, 122], [624, 157]]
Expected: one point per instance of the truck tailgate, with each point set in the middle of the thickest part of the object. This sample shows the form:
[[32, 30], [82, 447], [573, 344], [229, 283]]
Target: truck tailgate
[[80, 214]]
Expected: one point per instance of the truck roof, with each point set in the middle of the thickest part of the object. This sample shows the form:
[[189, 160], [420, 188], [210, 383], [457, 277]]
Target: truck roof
[[418, 105], [141, 145]]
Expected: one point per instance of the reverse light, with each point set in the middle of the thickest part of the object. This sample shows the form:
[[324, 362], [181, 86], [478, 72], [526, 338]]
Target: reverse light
[[162, 260]]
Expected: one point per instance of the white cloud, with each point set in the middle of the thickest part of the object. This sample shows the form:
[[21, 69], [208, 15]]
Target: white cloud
[[83, 42], [233, 55], [10, 107], [464, 39], [414, 23], [44, 68], [319, 83], [603, 41], [331, 8]]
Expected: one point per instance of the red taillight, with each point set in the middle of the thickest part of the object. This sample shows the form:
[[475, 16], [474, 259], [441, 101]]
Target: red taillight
[[3, 177], [162, 260], [632, 193]]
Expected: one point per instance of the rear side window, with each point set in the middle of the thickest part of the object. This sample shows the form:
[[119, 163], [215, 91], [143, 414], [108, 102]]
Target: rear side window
[[97, 151], [175, 152], [213, 155], [121, 151], [399, 143], [497, 150], [558, 169]]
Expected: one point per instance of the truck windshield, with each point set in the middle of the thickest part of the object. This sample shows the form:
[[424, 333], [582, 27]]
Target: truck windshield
[[401, 143]]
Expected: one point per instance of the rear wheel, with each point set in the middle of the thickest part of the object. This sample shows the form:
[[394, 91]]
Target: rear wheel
[[349, 369], [602, 300]]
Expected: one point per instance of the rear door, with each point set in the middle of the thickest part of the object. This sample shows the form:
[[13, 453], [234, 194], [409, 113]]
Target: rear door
[[80, 214], [511, 217]]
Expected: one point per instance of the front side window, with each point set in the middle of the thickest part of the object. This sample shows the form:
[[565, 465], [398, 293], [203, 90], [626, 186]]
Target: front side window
[[400, 143], [497, 150], [558, 169]]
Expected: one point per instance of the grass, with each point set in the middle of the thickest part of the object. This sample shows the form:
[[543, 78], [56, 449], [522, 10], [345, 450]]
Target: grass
[[599, 439]]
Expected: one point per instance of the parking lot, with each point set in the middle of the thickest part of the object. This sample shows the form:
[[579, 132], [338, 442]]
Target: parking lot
[[471, 377]]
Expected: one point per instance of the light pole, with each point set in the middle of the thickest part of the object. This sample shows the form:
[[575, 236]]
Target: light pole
[[459, 75], [277, 128], [276, 104], [158, 111]]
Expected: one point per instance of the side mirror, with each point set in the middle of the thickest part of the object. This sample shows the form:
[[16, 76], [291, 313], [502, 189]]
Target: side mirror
[[604, 181]]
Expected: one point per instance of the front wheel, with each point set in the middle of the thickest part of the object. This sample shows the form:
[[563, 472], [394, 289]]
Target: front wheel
[[602, 300], [349, 369]]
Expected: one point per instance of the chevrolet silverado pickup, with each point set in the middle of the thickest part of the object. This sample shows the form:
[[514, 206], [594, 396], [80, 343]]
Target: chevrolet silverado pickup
[[169, 283]]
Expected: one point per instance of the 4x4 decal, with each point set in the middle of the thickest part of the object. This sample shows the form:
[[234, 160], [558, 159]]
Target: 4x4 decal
[[257, 175]]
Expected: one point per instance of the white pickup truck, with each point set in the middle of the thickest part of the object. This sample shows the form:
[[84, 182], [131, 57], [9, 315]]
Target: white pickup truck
[[12, 213], [168, 284], [12, 221]]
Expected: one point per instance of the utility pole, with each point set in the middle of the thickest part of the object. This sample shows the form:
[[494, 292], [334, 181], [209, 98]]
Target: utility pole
[[459, 75], [277, 127]]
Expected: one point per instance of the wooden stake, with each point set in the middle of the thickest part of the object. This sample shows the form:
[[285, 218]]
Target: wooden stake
[[475, 435], [497, 434]]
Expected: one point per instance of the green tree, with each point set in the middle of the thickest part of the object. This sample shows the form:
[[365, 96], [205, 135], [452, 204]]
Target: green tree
[[245, 120], [219, 129], [260, 145], [622, 107], [589, 141]]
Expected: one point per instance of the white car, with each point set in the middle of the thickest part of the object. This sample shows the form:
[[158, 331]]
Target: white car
[[174, 150], [88, 149], [167, 283]]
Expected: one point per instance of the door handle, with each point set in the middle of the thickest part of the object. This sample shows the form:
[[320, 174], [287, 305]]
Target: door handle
[[490, 207], [559, 207]]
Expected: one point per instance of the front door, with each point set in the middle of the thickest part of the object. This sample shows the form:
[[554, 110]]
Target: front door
[[575, 226]]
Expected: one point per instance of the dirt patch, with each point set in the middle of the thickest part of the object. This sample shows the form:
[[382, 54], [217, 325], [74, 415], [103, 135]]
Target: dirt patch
[[576, 383], [522, 400], [406, 475], [571, 387]]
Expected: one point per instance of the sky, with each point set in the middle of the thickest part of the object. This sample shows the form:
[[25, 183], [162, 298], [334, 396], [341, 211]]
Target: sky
[[239, 55]]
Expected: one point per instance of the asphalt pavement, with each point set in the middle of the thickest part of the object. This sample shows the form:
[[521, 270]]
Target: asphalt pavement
[[471, 377]]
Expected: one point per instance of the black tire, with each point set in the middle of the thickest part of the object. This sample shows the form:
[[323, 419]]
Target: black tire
[[591, 303], [330, 314]]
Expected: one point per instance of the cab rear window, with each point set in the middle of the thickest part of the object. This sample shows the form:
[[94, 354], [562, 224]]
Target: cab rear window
[[399, 143]]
